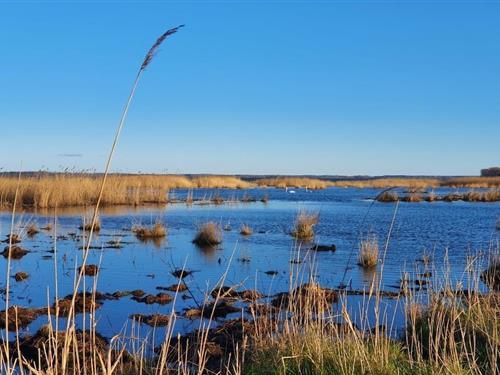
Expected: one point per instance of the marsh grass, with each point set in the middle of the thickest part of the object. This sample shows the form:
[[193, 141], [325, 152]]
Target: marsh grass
[[388, 197], [157, 230], [88, 224], [65, 190], [245, 230], [304, 225], [208, 234], [368, 252]]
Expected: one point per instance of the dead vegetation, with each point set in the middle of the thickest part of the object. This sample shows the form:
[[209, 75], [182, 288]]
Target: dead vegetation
[[368, 252], [245, 230], [158, 230], [304, 225], [209, 234]]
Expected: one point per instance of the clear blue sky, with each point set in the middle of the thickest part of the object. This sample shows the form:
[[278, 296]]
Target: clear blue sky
[[298, 87]]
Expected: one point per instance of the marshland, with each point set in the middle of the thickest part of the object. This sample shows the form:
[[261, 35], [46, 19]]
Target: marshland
[[216, 225], [152, 271]]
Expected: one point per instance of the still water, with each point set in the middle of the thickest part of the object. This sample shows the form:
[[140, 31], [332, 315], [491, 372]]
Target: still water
[[447, 233]]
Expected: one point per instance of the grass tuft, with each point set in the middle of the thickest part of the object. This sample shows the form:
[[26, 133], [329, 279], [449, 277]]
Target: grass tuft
[[368, 252], [304, 225], [209, 234]]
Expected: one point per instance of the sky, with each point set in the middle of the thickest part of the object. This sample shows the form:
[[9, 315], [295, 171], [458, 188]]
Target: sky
[[252, 87]]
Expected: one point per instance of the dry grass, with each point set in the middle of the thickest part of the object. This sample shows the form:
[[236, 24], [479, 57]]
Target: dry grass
[[209, 234], [63, 190], [245, 230], [158, 230], [299, 182], [388, 196], [87, 224], [304, 225], [368, 252]]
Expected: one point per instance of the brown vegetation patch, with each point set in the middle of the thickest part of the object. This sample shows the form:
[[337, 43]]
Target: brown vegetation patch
[[388, 196], [32, 230], [14, 252], [174, 288], [209, 234], [304, 225], [158, 230], [12, 238], [21, 276], [149, 299], [89, 270], [215, 310], [225, 292], [245, 230], [24, 316], [368, 252], [154, 320], [84, 302]]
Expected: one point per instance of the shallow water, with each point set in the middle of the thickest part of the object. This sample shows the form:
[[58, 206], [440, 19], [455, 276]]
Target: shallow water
[[447, 232]]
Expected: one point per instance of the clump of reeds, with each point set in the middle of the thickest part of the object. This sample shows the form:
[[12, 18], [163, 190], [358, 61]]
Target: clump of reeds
[[209, 234], [245, 230], [412, 197], [388, 196], [300, 182], [32, 230], [431, 197], [304, 225], [158, 230], [217, 199], [265, 198], [87, 224], [368, 252]]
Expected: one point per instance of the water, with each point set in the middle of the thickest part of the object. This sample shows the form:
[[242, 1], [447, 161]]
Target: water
[[446, 232]]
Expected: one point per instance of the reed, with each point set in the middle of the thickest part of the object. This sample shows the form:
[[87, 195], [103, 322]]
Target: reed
[[299, 182], [63, 190], [304, 225], [157, 230], [245, 230], [388, 197], [368, 252], [209, 234]]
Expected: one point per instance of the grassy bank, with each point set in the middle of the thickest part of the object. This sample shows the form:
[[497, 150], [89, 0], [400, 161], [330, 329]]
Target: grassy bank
[[65, 190]]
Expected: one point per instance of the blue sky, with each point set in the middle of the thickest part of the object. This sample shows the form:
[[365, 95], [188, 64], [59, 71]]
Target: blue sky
[[299, 87]]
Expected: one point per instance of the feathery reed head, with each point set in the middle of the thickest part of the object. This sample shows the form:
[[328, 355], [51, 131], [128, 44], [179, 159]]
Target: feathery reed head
[[159, 41]]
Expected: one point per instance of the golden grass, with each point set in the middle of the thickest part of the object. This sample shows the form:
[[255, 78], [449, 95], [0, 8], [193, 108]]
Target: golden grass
[[158, 230], [245, 230], [304, 225], [64, 190], [209, 234], [368, 252], [300, 182]]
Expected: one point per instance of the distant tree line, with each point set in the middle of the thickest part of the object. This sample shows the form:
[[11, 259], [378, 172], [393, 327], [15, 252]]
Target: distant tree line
[[490, 172]]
